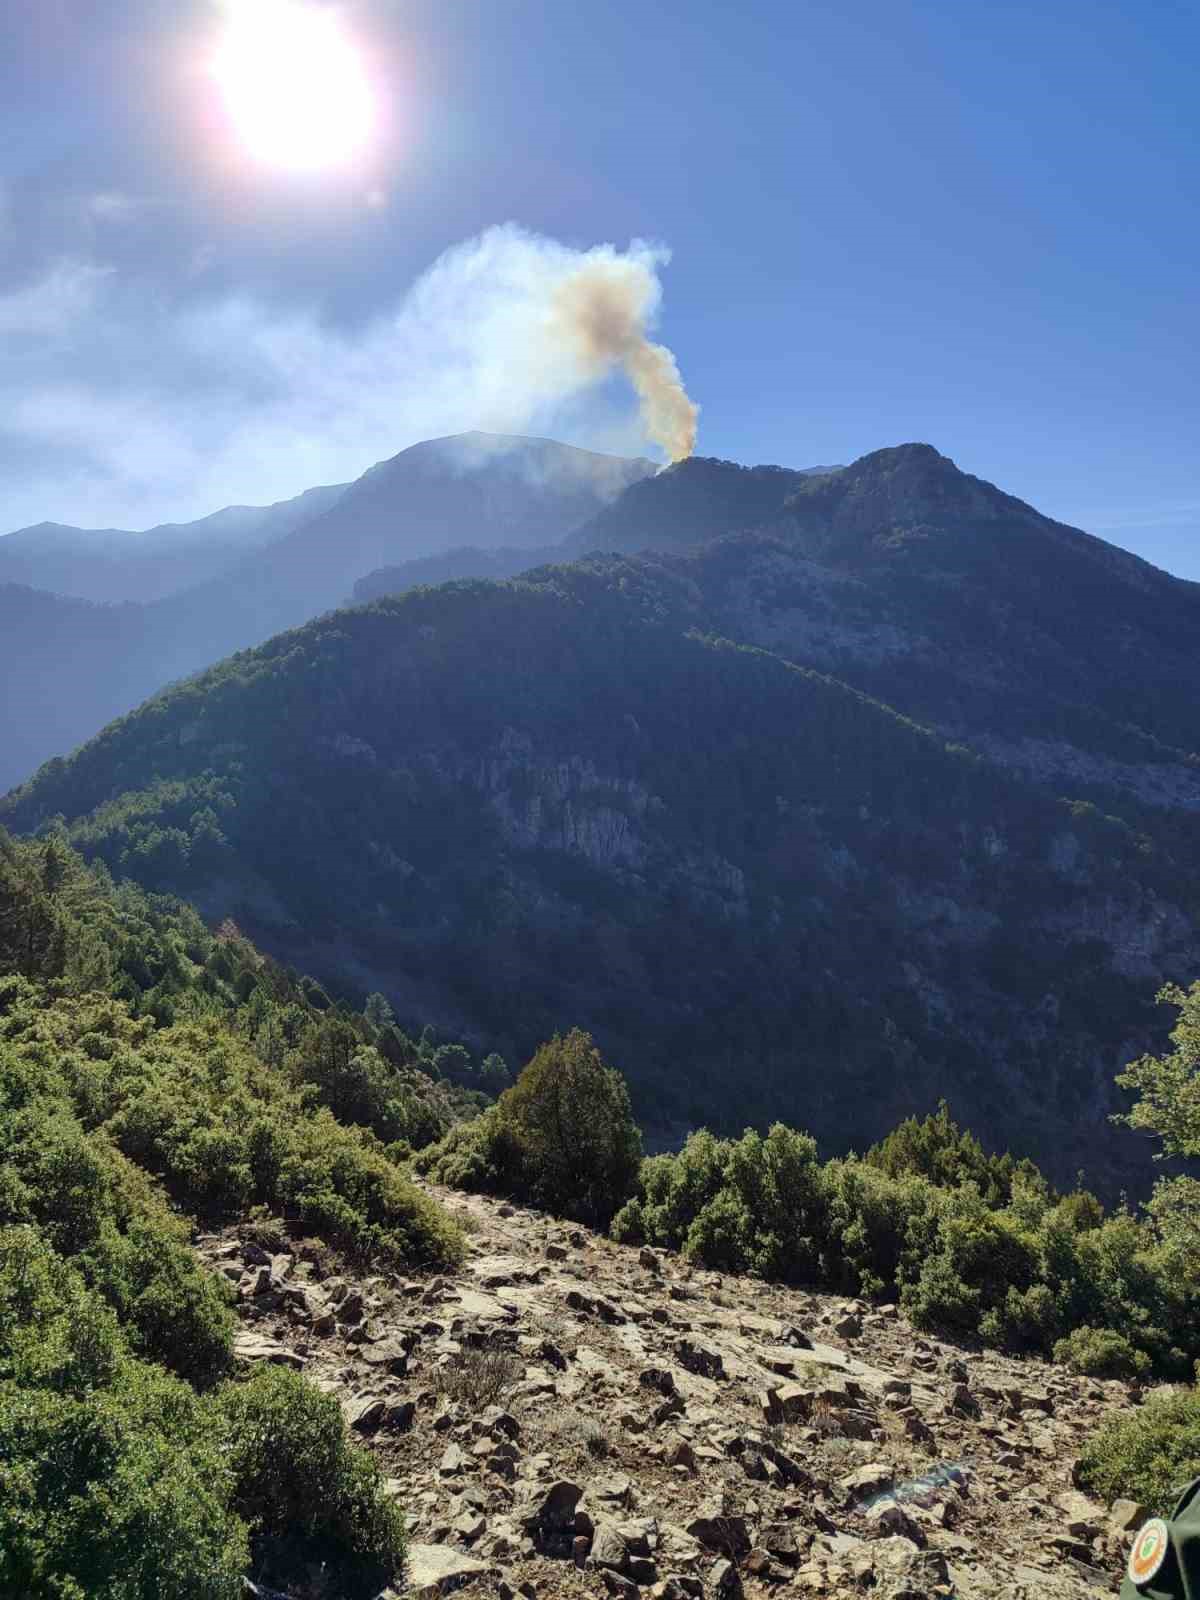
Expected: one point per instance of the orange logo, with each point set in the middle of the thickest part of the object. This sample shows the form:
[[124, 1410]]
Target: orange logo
[[1149, 1551]]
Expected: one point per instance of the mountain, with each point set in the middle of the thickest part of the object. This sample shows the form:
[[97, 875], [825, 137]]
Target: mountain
[[481, 489], [682, 505], [112, 564], [465, 562], [690, 502], [1058, 656], [74, 668], [565, 800]]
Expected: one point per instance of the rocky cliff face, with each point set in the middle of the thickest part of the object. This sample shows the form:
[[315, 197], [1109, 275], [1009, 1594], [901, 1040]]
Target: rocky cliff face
[[567, 1417]]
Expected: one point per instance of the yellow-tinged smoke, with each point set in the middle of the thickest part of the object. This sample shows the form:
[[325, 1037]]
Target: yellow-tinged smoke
[[602, 308]]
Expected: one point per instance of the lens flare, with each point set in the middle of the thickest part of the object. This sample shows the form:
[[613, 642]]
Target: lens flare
[[294, 85]]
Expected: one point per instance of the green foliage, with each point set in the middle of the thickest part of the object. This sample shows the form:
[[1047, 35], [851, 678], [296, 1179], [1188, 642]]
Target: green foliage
[[937, 1149], [763, 930], [563, 1137], [1101, 1353], [747, 1205], [569, 1116], [1168, 1086], [113, 1477], [1021, 1273], [149, 1067], [310, 1496], [195, 1107], [118, 1480], [1149, 1455]]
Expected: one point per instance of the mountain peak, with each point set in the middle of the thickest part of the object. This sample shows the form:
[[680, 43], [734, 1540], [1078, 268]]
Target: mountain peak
[[690, 502]]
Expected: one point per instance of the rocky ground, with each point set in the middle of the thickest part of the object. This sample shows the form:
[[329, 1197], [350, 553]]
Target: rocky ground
[[569, 1417]]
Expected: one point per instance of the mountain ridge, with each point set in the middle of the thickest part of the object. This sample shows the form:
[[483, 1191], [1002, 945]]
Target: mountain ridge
[[550, 801], [82, 669], [116, 564]]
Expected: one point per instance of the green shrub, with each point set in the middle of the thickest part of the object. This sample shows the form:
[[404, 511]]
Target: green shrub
[[563, 1137], [880, 1227], [753, 1204], [1101, 1353], [118, 1493], [1148, 1455], [113, 1479], [570, 1117], [194, 1107], [936, 1148], [175, 1312], [310, 1496]]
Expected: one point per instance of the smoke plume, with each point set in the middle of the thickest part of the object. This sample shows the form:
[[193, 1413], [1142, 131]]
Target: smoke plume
[[239, 400], [603, 308]]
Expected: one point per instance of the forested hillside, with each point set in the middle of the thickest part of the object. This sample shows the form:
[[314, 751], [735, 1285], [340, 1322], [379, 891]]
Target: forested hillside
[[75, 666], [156, 1076], [516, 807]]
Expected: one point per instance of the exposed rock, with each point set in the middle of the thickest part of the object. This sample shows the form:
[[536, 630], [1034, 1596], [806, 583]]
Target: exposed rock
[[609, 1548], [548, 1507], [432, 1570], [1126, 1515], [780, 1465], [718, 1529], [251, 1346]]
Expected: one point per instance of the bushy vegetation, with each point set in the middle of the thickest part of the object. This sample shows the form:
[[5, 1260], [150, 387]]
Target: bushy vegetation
[[563, 1137], [311, 1497], [152, 1074], [1149, 1455], [1027, 1269], [748, 884]]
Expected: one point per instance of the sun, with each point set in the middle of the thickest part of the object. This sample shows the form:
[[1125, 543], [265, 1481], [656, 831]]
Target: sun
[[295, 87]]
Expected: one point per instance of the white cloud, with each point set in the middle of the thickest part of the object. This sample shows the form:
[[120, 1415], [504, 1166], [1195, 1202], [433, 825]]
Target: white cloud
[[159, 413], [56, 304]]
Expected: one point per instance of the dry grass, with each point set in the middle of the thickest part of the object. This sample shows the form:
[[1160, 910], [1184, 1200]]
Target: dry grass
[[594, 1439], [478, 1378]]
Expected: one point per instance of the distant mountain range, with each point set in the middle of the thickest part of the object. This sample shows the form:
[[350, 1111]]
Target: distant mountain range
[[72, 667], [114, 565], [887, 791]]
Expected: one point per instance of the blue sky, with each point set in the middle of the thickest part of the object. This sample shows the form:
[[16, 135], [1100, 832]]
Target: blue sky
[[963, 223]]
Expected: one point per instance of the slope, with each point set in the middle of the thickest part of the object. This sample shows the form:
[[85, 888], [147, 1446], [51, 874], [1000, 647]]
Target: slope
[[522, 806], [1061, 657], [72, 669], [112, 564]]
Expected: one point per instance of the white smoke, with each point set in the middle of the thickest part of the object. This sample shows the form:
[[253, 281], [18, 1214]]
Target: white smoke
[[233, 401]]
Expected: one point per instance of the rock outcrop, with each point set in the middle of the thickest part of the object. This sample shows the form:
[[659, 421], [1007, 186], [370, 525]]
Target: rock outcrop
[[569, 1417]]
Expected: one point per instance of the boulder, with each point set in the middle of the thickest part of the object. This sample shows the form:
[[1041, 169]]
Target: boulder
[[1125, 1516], [609, 1548], [365, 1413], [718, 1529], [432, 1570], [548, 1507], [867, 1481], [250, 1346], [454, 1461], [700, 1359], [388, 1354]]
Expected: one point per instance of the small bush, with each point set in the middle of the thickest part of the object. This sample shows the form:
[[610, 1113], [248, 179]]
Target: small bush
[[1101, 1353], [753, 1204], [1149, 1455], [310, 1496], [113, 1479], [478, 1378], [563, 1137]]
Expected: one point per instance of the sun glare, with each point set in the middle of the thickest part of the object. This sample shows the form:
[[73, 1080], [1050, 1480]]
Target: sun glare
[[295, 87]]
